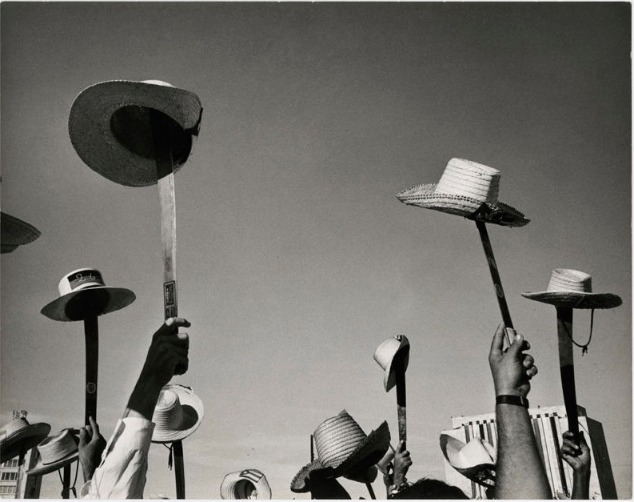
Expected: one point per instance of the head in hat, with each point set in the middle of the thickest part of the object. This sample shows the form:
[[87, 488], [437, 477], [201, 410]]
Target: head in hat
[[54, 453], [83, 291], [177, 414], [113, 126], [465, 188], [15, 232], [573, 289], [245, 484], [393, 350], [19, 436], [474, 460]]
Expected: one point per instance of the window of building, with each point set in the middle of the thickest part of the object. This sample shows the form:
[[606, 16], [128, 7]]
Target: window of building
[[11, 463], [9, 476]]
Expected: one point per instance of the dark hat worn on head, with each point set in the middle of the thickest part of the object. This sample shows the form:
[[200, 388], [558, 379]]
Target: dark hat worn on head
[[83, 292], [112, 126], [15, 232], [388, 353], [475, 460], [54, 453], [464, 188], [177, 414], [18, 436], [245, 484]]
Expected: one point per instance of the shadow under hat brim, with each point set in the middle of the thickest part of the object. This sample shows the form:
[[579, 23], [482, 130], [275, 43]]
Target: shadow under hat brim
[[91, 133], [78, 305], [576, 300], [389, 379], [232, 480], [40, 469], [23, 440], [426, 197], [193, 411], [301, 481], [483, 473], [15, 232]]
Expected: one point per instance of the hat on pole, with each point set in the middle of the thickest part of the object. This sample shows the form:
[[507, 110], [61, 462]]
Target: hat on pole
[[111, 127], [54, 453], [177, 414], [83, 292], [387, 353], [475, 460], [245, 484], [19, 436], [15, 232]]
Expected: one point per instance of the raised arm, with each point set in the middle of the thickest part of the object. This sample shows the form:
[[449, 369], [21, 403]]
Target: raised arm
[[578, 457]]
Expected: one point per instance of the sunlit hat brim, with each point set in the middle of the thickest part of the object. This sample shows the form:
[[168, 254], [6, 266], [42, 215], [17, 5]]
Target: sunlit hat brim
[[91, 133], [41, 469], [193, 412], [233, 482], [482, 473], [389, 378], [23, 440], [15, 232], [97, 300], [576, 300]]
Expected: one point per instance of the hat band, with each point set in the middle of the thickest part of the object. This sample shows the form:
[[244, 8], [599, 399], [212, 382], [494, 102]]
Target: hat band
[[80, 279]]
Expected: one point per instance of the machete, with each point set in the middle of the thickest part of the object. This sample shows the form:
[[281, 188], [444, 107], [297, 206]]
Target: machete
[[567, 368]]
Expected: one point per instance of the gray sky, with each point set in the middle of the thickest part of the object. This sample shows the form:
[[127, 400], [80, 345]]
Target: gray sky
[[295, 259]]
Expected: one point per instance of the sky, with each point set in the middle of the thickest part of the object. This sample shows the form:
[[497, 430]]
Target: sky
[[295, 259]]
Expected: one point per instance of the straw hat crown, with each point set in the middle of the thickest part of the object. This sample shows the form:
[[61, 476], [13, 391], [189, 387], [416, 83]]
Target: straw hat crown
[[336, 438], [177, 414], [55, 452], [389, 353], [248, 483], [18, 436]]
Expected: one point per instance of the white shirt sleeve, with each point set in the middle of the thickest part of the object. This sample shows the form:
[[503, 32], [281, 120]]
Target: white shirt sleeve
[[123, 468]]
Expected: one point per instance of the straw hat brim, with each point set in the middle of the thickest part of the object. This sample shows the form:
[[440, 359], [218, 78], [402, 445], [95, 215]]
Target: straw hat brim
[[99, 300], [15, 232], [91, 133], [232, 479], [193, 411], [576, 300], [482, 473], [23, 440], [425, 196], [389, 378], [41, 469], [301, 481]]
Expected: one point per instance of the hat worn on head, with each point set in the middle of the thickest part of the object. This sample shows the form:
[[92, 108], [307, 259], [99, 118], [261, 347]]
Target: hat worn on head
[[177, 414], [18, 436], [54, 453], [388, 353], [474, 460], [245, 484], [113, 125], [82, 293], [464, 187], [15, 232], [573, 289]]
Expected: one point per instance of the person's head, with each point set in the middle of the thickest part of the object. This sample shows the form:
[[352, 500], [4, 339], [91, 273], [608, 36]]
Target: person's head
[[426, 488]]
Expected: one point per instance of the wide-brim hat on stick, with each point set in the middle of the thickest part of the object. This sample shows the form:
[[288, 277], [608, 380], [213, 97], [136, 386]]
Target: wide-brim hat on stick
[[177, 414], [573, 289], [19, 436], [54, 453], [15, 232], [464, 187], [245, 484], [387, 353], [84, 292], [475, 460], [111, 127]]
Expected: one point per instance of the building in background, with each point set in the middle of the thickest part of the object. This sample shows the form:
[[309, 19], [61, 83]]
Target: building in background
[[548, 424]]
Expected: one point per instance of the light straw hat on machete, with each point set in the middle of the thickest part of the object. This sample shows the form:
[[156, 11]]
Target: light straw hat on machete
[[19, 436], [573, 289], [54, 453], [464, 188], [110, 127], [245, 484], [15, 232], [475, 460], [388, 352], [83, 290], [177, 414]]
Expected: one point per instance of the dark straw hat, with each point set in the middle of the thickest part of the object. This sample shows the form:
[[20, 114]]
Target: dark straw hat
[[19, 436]]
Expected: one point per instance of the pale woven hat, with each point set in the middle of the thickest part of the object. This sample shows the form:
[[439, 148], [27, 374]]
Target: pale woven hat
[[475, 460], [465, 187], [19, 436], [111, 130], [15, 232], [177, 414], [245, 484], [573, 289], [387, 353], [54, 453], [83, 292]]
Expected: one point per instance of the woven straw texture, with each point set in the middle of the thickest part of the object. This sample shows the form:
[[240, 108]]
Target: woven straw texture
[[336, 438], [177, 414], [18, 436], [54, 453]]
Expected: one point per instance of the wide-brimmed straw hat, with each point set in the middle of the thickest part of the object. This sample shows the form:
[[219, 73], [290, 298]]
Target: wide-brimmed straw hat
[[19, 436], [390, 351], [573, 289], [83, 292], [177, 414], [15, 232], [245, 484], [466, 189], [111, 129], [475, 460], [54, 453], [307, 480]]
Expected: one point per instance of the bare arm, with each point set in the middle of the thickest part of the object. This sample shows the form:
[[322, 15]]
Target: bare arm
[[578, 457]]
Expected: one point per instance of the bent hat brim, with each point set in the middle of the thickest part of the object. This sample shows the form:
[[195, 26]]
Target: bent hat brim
[[576, 300], [193, 411], [98, 301], [301, 481], [23, 440], [92, 136], [15, 232], [482, 473], [40, 469], [389, 378], [425, 196]]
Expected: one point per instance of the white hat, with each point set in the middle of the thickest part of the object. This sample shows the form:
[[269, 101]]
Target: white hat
[[177, 414], [474, 460], [54, 453], [388, 352], [245, 484]]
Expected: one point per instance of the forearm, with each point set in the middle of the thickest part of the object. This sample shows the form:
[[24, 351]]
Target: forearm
[[581, 485], [520, 471], [143, 398]]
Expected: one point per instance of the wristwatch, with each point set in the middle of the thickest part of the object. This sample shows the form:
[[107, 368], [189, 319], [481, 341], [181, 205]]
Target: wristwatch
[[512, 399]]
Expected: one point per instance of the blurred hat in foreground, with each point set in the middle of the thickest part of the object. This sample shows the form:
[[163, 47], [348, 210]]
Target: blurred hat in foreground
[[474, 460], [245, 484], [19, 436], [15, 232]]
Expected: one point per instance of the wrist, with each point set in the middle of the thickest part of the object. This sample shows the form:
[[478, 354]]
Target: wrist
[[511, 399]]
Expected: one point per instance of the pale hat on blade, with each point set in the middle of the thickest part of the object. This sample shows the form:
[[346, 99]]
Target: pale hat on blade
[[464, 188], [15, 232], [19, 436], [475, 460], [83, 292], [54, 453], [387, 353], [573, 289], [177, 414], [113, 126], [245, 484]]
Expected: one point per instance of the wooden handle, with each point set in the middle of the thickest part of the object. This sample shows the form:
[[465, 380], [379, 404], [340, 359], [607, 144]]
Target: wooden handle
[[66, 482], [400, 401], [91, 333], [567, 368], [371, 491], [179, 469]]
